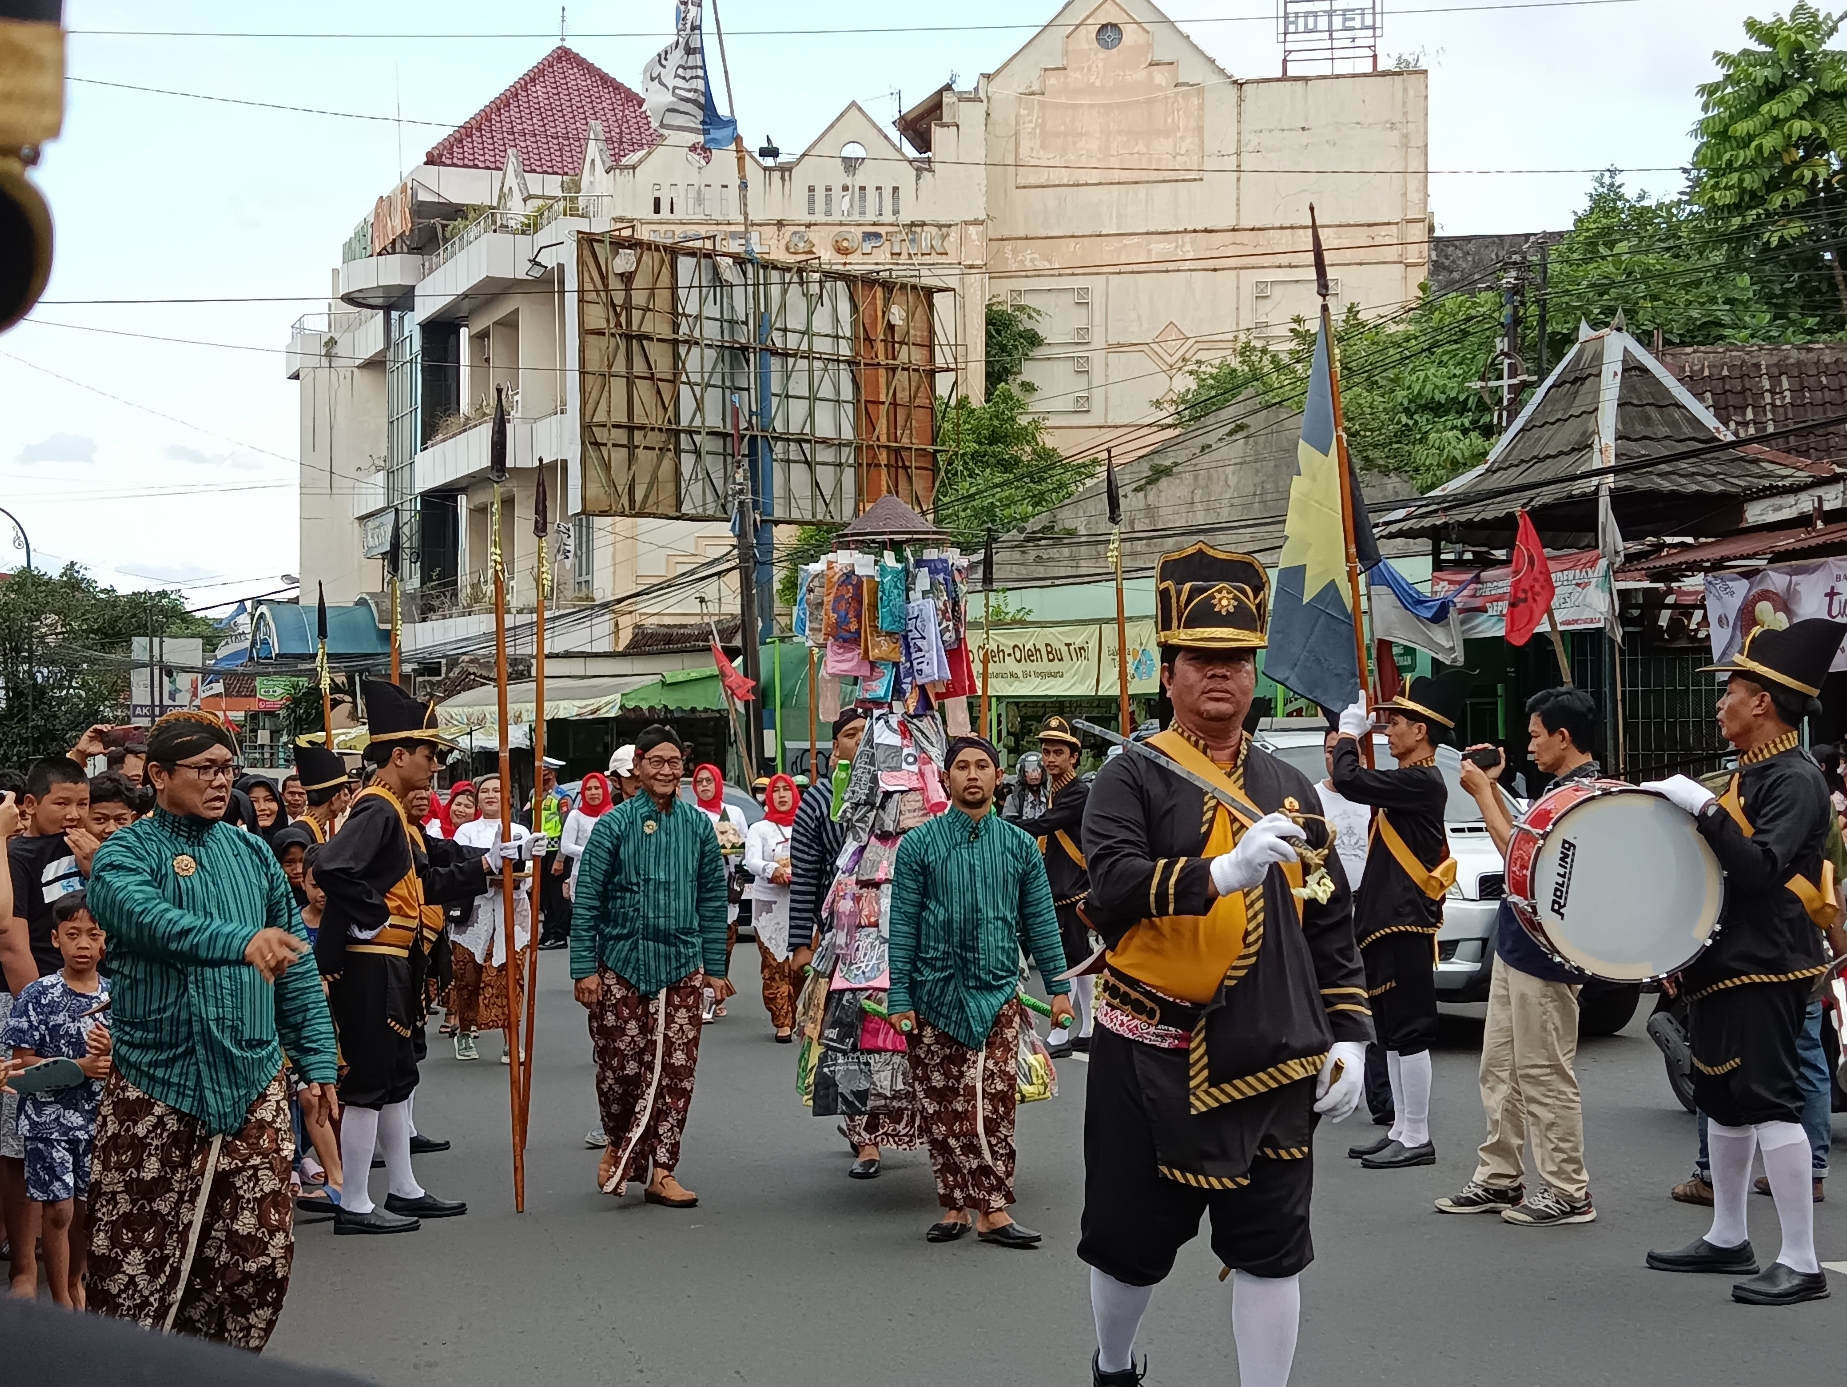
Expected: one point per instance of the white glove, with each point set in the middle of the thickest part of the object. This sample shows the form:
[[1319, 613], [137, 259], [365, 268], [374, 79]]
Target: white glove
[[1682, 790], [535, 846], [495, 856], [1356, 719], [1337, 1096], [1264, 844]]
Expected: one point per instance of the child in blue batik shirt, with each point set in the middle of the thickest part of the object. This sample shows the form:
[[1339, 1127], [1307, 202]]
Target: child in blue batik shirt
[[60, 1016]]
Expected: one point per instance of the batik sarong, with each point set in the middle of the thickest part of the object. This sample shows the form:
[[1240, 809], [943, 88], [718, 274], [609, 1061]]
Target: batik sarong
[[646, 1049], [967, 1101]]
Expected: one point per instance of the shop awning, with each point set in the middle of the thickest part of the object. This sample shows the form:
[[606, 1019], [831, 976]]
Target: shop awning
[[586, 696], [1753, 548]]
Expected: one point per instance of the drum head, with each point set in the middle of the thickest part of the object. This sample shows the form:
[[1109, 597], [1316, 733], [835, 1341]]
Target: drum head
[[1625, 888]]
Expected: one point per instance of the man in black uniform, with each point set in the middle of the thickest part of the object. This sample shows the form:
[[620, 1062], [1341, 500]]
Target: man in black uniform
[[1751, 986], [1059, 830], [1231, 1013], [1400, 908], [380, 875]]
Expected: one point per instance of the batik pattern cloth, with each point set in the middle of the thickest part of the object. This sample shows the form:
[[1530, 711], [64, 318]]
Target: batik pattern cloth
[[646, 1050], [58, 1168], [778, 987], [968, 1104], [51, 1019], [191, 1233]]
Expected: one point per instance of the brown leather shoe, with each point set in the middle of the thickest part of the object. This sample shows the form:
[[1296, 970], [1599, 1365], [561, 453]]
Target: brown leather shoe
[[1694, 1190], [664, 1189], [1762, 1185]]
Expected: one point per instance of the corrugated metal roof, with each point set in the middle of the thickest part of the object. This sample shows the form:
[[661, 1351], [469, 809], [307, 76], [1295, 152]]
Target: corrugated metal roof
[[1765, 545]]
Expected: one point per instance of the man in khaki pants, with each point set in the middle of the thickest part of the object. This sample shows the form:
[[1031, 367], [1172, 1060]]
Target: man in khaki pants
[[1528, 1085]]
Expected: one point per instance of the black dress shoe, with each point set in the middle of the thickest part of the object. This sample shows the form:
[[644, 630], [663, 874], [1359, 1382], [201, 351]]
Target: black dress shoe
[[314, 1208], [1371, 1148], [1010, 1235], [421, 1145], [1781, 1284], [1398, 1156], [426, 1206], [946, 1231], [372, 1221], [1081, 1043], [378, 1163], [1130, 1376], [1701, 1255], [864, 1170], [1062, 1050]]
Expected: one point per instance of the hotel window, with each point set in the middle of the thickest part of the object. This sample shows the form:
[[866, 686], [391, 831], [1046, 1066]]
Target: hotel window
[[811, 199], [862, 199], [673, 198], [881, 207], [830, 200], [894, 204], [657, 199], [583, 554], [724, 201], [705, 200]]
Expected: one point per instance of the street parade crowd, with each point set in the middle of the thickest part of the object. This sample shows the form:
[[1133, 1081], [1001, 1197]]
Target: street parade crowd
[[220, 989]]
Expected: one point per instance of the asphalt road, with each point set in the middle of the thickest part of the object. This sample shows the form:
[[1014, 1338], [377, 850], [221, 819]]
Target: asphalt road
[[789, 1273]]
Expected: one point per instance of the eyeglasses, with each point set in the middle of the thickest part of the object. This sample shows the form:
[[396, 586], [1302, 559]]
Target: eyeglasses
[[663, 763], [209, 771]]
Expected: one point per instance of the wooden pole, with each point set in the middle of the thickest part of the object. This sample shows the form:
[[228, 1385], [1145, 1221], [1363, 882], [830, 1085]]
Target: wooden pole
[[320, 665], [1122, 637], [538, 802], [397, 639], [987, 641], [814, 726], [1363, 662], [1558, 647], [515, 1075]]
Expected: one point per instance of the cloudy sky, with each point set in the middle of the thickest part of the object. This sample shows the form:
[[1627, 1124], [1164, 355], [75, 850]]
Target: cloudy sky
[[155, 443]]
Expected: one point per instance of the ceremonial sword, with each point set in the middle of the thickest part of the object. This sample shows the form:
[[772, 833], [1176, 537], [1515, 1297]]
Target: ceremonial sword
[[1216, 789]]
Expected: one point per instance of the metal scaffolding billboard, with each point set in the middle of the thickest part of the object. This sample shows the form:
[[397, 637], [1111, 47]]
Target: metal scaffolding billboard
[[690, 358]]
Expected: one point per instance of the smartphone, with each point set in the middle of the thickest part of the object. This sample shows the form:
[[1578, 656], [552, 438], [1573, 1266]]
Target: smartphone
[[1488, 757], [126, 735]]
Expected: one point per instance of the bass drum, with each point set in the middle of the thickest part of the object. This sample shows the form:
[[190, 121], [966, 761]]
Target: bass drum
[[1615, 881]]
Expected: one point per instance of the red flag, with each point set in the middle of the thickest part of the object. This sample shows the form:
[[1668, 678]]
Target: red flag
[[737, 685], [1530, 592]]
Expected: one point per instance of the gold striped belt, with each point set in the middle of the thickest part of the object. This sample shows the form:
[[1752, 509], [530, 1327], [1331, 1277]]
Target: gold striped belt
[[1144, 1003], [393, 941]]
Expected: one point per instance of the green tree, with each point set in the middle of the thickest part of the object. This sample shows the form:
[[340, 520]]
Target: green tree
[[1011, 338], [64, 654], [1772, 136], [995, 469]]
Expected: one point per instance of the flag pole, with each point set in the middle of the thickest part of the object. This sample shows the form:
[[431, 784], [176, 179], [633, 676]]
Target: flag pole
[[320, 665], [541, 527], [394, 561], [987, 632], [1362, 659], [744, 757], [814, 726], [1114, 497], [1558, 646], [497, 469]]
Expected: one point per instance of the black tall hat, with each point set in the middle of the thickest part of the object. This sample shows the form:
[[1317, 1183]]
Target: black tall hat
[[395, 715], [319, 768], [1797, 656], [1210, 599], [1436, 700]]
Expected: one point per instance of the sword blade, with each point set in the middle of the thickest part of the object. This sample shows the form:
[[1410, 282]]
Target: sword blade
[[1220, 792]]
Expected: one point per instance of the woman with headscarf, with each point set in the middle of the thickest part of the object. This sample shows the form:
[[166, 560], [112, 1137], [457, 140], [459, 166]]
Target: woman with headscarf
[[478, 945], [594, 798], [459, 809], [1030, 793], [766, 858], [266, 799], [730, 824]]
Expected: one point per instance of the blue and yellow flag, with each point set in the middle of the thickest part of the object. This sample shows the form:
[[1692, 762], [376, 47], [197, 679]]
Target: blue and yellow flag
[[1311, 612]]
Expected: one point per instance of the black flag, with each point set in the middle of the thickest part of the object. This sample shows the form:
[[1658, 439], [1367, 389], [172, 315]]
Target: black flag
[[1112, 491], [394, 556], [987, 563], [320, 612], [541, 522], [1321, 260], [497, 440]]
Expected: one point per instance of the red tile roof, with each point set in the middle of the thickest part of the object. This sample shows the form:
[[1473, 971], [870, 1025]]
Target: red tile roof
[[546, 116], [1753, 389]]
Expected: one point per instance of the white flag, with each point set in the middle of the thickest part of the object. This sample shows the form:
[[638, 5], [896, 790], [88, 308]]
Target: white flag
[[1610, 542], [673, 82]]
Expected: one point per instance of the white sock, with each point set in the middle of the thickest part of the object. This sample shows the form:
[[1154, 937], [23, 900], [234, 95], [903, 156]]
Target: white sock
[[358, 1137], [1081, 998], [1058, 1035], [410, 1111], [1414, 1075], [394, 1136], [1730, 1150], [1789, 1167], [1394, 1073], [1266, 1312], [1118, 1308]]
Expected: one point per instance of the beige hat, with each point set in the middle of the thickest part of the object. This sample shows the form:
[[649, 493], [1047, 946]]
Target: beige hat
[[623, 762]]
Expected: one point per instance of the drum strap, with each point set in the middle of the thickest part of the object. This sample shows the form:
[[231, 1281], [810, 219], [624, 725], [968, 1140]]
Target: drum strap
[[1434, 883], [1818, 901]]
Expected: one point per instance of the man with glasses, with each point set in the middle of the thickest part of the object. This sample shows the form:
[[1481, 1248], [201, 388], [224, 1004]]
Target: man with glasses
[[190, 1212], [649, 938], [380, 874]]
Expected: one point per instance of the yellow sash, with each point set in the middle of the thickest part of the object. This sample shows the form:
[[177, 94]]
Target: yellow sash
[[1434, 884], [314, 827], [404, 899], [1817, 901], [1188, 956]]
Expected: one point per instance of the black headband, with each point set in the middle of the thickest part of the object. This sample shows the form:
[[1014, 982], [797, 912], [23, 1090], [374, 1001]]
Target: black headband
[[184, 734], [958, 745], [848, 716], [657, 734]]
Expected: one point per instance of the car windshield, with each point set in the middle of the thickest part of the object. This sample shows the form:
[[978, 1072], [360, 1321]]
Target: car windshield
[[1307, 757]]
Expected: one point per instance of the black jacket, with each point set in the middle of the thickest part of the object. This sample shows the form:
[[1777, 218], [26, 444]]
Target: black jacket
[[1064, 813], [1414, 797], [814, 845]]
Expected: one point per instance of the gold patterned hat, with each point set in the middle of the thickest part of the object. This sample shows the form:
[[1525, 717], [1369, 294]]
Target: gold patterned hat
[[1436, 700], [1058, 729], [1210, 599], [394, 714]]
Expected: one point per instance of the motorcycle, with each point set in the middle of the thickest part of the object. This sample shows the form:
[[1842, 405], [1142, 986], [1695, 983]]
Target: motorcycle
[[1669, 1027]]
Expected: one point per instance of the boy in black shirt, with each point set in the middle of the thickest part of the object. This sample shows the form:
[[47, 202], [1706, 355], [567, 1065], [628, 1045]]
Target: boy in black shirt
[[44, 867]]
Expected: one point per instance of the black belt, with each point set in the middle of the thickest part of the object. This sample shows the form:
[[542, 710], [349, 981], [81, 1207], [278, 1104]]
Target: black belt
[[1144, 1003]]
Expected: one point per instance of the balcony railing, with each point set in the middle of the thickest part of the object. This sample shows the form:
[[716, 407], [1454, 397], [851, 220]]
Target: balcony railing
[[513, 223], [327, 324]]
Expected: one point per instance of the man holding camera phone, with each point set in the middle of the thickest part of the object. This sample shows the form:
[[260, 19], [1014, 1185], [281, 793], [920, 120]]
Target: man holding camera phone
[[1530, 1042]]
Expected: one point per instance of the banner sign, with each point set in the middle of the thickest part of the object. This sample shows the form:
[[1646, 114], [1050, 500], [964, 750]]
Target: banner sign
[[1582, 602], [275, 690], [1738, 603], [1074, 661]]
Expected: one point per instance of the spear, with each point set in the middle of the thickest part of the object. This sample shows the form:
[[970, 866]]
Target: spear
[[394, 559], [1114, 496], [497, 470], [541, 526], [320, 663], [987, 630]]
